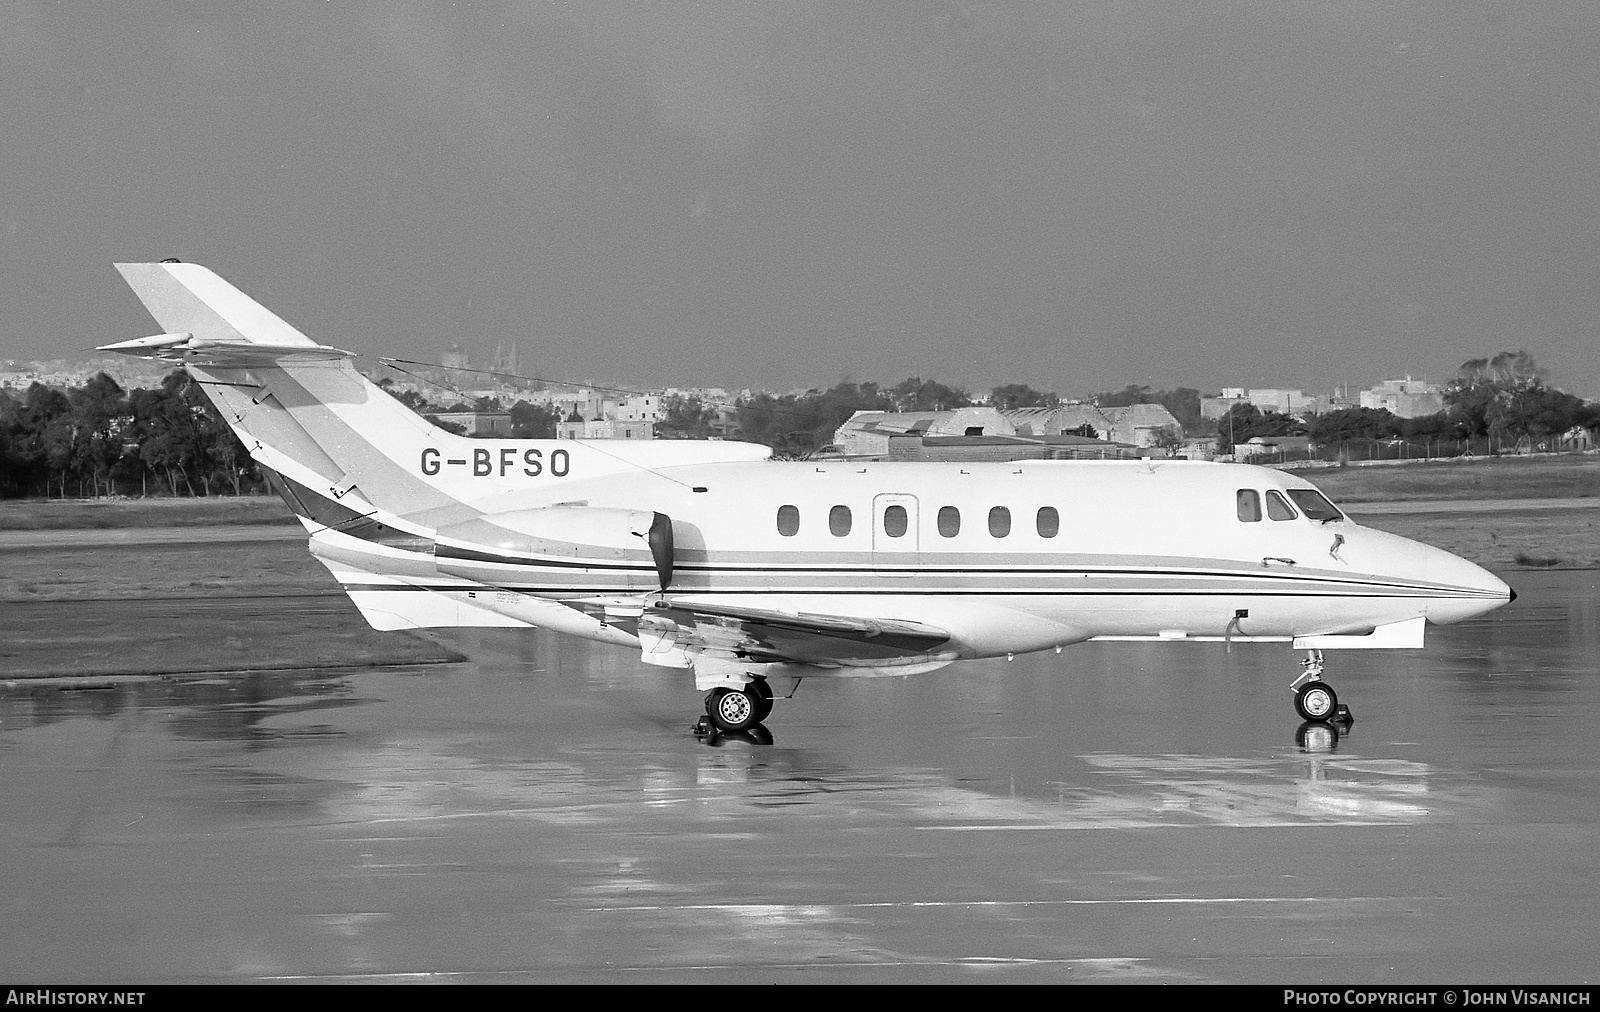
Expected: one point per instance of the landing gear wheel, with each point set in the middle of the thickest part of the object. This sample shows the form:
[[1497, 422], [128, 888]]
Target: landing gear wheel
[[1316, 701], [733, 710]]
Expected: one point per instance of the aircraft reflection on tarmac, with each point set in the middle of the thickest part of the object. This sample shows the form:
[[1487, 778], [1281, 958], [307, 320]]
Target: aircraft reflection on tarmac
[[1321, 736], [268, 714], [1311, 736], [714, 736]]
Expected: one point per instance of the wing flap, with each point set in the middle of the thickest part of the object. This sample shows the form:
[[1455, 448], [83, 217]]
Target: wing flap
[[765, 635]]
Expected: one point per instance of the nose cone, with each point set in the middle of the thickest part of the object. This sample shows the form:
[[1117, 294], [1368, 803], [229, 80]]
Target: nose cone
[[1465, 590], [1451, 588]]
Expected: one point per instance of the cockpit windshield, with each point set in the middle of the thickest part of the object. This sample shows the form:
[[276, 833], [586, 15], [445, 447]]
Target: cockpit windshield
[[1314, 505]]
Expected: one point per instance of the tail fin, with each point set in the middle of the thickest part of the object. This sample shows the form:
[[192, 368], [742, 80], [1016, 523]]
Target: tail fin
[[188, 298], [299, 407], [342, 444]]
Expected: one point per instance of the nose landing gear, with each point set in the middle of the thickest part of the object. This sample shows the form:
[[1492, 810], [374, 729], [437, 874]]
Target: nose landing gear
[[1315, 699]]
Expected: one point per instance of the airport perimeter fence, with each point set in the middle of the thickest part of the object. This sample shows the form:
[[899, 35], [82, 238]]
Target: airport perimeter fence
[[1360, 451]]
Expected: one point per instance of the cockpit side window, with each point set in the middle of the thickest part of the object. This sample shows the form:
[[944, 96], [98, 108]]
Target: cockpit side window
[[1278, 507], [1248, 503], [1315, 505]]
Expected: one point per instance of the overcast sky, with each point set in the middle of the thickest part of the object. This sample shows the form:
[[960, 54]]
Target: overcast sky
[[1076, 196]]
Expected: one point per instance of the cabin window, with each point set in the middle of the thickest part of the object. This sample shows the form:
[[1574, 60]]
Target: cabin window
[[1315, 505], [788, 521], [1249, 505], [949, 521], [1278, 507], [894, 521], [839, 521], [999, 522], [1048, 522]]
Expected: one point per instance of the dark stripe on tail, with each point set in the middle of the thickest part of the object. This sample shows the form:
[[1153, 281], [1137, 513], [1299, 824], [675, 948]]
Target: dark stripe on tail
[[319, 509]]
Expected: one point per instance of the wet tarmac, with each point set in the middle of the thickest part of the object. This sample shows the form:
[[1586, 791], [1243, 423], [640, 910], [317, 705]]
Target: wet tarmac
[[1143, 812]]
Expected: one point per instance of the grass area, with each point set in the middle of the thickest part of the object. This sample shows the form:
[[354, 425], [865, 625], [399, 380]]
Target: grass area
[[1552, 476], [84, 514], [1506, 541], [229, 635], [140, 572], [163, 609]]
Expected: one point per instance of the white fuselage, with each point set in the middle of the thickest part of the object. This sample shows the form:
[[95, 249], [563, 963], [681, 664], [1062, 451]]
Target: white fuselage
[[1009, 558]]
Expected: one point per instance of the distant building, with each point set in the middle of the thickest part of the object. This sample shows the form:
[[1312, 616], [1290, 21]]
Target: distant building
[[129, 373], [1284, 402], [1003, 448], [1063, 419], [1198, 448], [1264, 446], [477, 423], [454, 358], [867, 433], [1133, 424], [644, 407], [1576, 438], [967, 434], [1406, 398], [507, 360], [705, 395], [1340, 399], [1143, 425], [726, 424], [604, 428]]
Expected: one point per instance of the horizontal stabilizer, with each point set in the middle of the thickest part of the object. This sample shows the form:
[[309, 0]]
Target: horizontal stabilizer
[[188, 298], [228, 354]]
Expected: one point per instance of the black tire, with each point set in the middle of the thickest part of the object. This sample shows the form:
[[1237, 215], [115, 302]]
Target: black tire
[[734, 710], [1316, 701], [763, 696]]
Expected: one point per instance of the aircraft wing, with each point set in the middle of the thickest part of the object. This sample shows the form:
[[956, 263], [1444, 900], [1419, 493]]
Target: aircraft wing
[[761, 635]]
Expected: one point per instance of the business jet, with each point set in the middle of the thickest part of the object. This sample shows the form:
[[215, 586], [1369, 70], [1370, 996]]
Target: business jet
[[756, 574]]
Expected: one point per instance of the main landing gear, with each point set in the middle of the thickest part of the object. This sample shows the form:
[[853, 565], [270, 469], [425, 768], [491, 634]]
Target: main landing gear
[[736, 709], [1315, 699]]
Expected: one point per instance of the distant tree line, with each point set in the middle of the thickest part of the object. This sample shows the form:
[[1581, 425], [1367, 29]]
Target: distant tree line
[[1504, 397], [99, 439]]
